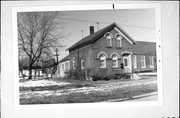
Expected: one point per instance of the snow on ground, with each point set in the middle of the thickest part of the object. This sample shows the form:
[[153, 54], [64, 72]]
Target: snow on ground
[[86, 90], [148, 73], [41, 83]]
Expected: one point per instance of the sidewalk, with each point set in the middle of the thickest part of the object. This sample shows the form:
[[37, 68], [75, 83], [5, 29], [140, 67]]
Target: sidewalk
[[144, 97]]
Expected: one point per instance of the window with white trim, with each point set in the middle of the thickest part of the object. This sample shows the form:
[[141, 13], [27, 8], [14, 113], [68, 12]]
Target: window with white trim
[[114, 61], [66, 66], [134, 61], [82, 64], [143, 61], [108, 39], [73, 64], [151, 62], [63, 67], [102, 61], [118, 40]]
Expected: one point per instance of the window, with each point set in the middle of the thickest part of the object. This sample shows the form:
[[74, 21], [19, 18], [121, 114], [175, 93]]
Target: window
[[82, 64], [108, 39], [73, 64], [114, 61], [134, 61], [102, 61], [59, 67], [151, 62], [143, 62], [62, 66], [66, 66], [125, 62], [118, 40]]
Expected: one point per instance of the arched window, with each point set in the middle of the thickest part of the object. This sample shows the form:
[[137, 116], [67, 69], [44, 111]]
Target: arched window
[[114, 61], [108, 39], [118, 40], [102, 61]]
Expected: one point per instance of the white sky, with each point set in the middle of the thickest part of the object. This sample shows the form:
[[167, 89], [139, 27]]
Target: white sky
[[139, 23]]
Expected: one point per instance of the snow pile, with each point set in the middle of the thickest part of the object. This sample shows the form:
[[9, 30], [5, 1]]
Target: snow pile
[[42, 83]]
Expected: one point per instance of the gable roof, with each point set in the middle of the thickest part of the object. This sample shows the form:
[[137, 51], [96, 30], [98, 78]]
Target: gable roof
[[95, 36], [144, 48]]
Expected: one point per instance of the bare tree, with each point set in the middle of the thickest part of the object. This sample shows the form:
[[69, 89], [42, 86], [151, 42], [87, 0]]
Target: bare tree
[[38, 35]]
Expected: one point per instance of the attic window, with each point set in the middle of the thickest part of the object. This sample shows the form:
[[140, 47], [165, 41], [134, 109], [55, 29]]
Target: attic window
[[108, 39], [118, 40]]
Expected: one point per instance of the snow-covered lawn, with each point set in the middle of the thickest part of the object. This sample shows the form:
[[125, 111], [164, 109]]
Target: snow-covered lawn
[[42, 83], [83, 93]]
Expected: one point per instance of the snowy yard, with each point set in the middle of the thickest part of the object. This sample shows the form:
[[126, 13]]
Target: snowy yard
[[65, 92], [41, 83]]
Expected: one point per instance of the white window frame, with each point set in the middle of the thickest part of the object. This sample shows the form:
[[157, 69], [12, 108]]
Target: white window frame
[[151, 60], [66, 66], [134, 61], [82, 66], [109, 38], [116, 60], [102, 58], [63, 67], [143, 59], [73, 64], [119, 38]]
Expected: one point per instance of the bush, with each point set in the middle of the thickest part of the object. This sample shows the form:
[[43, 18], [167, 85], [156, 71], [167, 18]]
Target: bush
[[71, 74], [96, 77]]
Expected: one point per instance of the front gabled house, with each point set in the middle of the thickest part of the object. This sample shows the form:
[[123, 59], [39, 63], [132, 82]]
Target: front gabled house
[[108, 51]]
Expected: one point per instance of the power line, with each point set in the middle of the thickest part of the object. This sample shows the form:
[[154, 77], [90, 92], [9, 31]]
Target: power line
[[135, 26]]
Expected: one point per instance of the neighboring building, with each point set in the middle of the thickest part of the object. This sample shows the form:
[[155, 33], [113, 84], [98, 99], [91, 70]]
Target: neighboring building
[[41, 69], [24, 68], [108, 51]]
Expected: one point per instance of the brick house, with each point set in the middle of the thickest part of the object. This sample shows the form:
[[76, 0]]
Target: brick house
[[108, 51]]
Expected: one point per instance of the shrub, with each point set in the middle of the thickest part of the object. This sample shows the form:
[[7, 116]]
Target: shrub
[[96, 77], [71, 74]]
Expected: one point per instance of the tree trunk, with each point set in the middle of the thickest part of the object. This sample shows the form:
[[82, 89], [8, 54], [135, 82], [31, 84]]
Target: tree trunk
[[30, 72]]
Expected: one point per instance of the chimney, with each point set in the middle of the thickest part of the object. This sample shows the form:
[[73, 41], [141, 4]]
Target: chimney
[[91, 28]]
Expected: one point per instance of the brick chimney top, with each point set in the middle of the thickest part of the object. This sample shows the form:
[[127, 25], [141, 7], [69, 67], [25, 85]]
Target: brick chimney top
[[91, 28]]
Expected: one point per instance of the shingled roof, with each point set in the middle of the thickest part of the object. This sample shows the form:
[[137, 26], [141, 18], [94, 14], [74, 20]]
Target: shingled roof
[[143, 48], [94, 37], [64, 59]]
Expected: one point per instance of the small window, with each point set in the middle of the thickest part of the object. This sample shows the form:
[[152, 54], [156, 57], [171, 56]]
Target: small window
[[134, 61], [143, 62], [118, 40], [62, 66], [66, 66], [73, 64], [102, 61], [151, 62], [108, 39], [114, 61], [82, 64]]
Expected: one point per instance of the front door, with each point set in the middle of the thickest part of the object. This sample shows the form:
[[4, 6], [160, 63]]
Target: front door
[[127, 63]]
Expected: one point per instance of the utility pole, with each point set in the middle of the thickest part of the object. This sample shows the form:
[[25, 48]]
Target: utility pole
[[82, 33], [97, 25]]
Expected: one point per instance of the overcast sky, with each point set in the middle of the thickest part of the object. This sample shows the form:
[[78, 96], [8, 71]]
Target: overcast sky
[[138, 23]]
